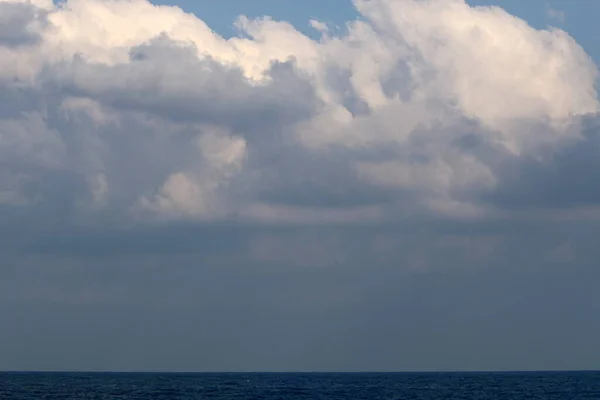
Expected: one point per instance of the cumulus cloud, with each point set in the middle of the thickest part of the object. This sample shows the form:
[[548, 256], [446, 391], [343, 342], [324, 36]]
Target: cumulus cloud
[[395, 184], [127, 110], [20, 24]]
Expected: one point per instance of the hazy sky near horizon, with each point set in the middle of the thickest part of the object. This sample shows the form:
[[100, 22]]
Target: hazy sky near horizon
[[376, 185]]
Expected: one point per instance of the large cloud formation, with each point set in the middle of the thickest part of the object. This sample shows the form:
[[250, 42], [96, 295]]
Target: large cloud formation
[[123, 108], [402, 193]]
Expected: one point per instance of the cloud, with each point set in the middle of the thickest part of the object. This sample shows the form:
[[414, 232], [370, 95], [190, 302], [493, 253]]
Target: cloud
[[184, 194], [368, 200], [556, 15], [319, 26], [20, 24], [142, 113]]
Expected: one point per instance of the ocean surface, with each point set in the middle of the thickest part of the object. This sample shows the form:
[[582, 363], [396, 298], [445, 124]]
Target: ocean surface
[[396, 386]]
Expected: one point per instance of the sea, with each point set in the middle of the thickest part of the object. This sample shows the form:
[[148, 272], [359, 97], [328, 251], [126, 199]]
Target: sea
[[259, 386]]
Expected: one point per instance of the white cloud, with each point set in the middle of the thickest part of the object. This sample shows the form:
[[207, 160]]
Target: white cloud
[[195, 193], [488, 64], [179, 195], [319, 25], [224, 153], [554, 14], [151, 113]]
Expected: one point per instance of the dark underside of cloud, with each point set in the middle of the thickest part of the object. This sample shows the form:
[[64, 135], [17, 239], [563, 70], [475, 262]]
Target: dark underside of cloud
[[564, 179], [17, 24]]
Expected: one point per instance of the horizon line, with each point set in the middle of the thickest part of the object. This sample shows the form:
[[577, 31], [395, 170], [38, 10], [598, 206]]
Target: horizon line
[[458, 371]]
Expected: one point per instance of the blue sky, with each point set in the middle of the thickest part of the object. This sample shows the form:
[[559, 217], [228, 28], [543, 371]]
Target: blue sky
[[580, 15]]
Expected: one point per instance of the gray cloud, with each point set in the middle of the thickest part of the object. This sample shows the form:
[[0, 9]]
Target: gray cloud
[[166, 79], [20, 24], [382, 199], [562, 179]]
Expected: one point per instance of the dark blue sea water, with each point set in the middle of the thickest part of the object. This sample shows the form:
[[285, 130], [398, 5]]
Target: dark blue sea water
[[437, 386]]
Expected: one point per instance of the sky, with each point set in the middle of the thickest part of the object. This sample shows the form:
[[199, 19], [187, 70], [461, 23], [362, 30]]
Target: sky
[[377, 185]]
